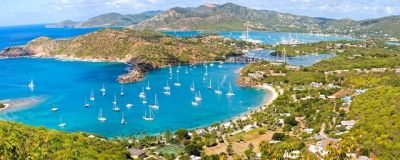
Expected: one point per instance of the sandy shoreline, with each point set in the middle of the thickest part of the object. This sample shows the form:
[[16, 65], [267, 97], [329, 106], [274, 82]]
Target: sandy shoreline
[[271, 96], [20, 103]]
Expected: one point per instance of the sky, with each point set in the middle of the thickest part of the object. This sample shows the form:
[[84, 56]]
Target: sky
[[19, 12]]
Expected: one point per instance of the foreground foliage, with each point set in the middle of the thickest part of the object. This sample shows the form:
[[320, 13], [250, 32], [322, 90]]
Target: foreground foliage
[[25, 142]]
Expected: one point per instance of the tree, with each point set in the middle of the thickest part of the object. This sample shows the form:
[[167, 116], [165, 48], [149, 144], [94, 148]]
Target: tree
[[229, 149], [182, 134], [249, 152], [291, 120], [168, 136], [194, 149], [278, 136]]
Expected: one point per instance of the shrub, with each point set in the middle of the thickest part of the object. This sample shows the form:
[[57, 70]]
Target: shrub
[[262, 131], [278, 136]]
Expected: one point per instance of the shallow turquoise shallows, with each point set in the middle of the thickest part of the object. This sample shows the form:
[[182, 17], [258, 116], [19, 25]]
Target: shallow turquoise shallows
[[65, 84]]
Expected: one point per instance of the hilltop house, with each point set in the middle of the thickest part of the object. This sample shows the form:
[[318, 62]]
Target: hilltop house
[[137, 153], [348, 124], [316, 85], [321, 145]]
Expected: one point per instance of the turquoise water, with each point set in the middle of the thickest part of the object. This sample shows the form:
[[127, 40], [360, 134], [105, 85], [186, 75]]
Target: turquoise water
[[20, 35], [306, 60], [266, 37], [66, 84]]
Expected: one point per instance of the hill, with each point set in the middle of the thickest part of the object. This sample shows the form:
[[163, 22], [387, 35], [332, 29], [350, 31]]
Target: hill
[[108, 20], [228, 16], [231, 17], [26, 142], [144, 49]]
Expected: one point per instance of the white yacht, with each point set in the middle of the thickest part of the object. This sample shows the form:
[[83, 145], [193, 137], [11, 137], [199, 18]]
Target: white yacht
[[209, 84], [142, 94], [218, 91], [197, 97], [103, 90], [230, 92], [122, 93], [148, 86], [92, 96], [31, 85], [86, 103], [54, 109], [192, 88], [167, 90], [177, 81], [100, 116], [129, 105], [115, 108], [149, 117], [61, 124], [155, 106], [123, 120]]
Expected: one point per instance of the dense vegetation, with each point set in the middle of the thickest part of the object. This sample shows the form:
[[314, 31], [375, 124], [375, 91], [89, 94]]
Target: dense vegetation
[[231, 17], [137, 46], [25, 142], [378, 116], [376, 111]]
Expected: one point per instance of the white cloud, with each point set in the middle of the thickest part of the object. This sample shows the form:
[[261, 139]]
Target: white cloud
[[389, 10]]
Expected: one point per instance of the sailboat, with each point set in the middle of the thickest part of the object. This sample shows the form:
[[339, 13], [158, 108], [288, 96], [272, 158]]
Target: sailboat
[[148, 86], [209, 85], [144, 101], [177, 69], [103, 90], [192, 88], [142, 94], [177, 81], [86, 103], [206, 74], [195, 102], [230, 92], [122, 93], [197, 97], [92, 96], [149, 117], [170, 69], [54, 109], [31, 85], [155, 106], [123, 121], [115, 108], [187, 72], [220, 64], [129, 105], [218, 91], [61, 124], [167, 89], [100, 116]]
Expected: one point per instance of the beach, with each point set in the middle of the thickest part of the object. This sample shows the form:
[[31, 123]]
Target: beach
[[20, 103]]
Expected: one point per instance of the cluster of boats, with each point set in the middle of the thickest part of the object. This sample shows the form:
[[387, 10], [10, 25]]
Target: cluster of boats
[[149, 110]]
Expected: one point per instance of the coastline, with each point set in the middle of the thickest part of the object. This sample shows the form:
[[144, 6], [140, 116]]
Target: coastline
[[273, 94], [19, 103], [268, 99]]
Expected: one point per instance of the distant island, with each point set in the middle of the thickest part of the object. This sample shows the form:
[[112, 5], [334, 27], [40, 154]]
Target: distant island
[[107, 20]]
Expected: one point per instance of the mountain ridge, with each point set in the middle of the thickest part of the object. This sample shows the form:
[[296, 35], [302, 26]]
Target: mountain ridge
[[112, 19]]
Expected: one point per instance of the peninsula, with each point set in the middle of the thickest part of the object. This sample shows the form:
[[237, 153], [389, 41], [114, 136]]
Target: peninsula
[[144, 49]]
